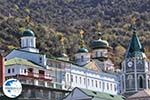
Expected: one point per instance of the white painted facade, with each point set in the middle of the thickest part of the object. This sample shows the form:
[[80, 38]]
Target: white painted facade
[[28, 41], [84, 78], [82, 58], [99, 53], [37, 58], [65, 74], [28, 51], [22, 70]]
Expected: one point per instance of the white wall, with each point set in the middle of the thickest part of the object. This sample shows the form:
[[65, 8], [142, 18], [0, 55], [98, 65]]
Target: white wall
[[99, 53], [34, 57], [85, 60], [90, 81]]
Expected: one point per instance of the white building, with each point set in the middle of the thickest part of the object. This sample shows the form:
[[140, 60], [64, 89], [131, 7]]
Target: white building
[[27, 64], [93, 71], [28, 50]]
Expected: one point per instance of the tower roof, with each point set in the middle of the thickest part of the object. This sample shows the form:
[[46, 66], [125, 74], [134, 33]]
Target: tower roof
[[135, 48], [82, 50], [96, 44], [28, 32]]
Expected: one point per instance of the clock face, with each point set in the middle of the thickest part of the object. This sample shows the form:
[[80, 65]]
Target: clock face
[[130, 63]]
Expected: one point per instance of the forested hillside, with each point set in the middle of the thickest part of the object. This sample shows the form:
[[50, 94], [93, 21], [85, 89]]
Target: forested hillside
[[51, 19]]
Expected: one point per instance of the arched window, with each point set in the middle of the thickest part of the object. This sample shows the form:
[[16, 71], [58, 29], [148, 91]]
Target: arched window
[[82, 58], [130, 78], [148, 83], [140, 78]]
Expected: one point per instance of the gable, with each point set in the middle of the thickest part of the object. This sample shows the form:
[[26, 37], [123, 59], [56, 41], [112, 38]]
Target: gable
[[92, 66], [39, 59], [85, 94], [77, 94]]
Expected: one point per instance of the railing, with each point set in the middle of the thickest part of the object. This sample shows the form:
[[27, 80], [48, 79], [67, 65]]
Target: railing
[[36, 76]]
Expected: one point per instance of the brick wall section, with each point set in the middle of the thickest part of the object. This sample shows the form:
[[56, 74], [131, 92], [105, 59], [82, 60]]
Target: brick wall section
[[2, 70]]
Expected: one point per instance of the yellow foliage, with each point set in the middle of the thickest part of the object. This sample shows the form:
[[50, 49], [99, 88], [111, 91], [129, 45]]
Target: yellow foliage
[[16, 7], [27, 10], [11, 47], [22, 29]]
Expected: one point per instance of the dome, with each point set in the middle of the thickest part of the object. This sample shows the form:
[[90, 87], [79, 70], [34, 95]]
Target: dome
[[96, 44], [28, 32], [82, 50]]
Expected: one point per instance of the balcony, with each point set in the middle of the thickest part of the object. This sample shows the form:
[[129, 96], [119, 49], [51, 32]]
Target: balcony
[[34, 76]]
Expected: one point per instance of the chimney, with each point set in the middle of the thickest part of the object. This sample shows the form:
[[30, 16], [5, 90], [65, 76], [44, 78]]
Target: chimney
[[2, 70]]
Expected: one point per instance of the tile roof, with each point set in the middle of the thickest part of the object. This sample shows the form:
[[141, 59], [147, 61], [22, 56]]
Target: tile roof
[[101, 95], [20, 61], [144, 93]]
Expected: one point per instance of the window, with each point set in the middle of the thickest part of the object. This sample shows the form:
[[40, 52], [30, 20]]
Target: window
[[92, 83], [84, 81], [103, 85], [26, 42], [96, 83], [88, 81], [41, 72], [80, 80], [102, 54], [107, 86], [76, 79], [99, 84], [8, 70], [31, 42], [22, 43], [30, 70], [82, 58], [40, 59], [111, 87], [130, 78], [25, 71], [96, 53], [115, 87], [71, 78], [49, 75], [13, 70], [140, 78]]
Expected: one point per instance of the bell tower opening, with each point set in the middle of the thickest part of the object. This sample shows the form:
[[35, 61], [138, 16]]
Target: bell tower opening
[[130, 83], [140, 82]]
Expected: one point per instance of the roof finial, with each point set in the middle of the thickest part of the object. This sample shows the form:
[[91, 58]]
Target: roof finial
[[81, 39], [98, 28], [62, 44], [133, 24]]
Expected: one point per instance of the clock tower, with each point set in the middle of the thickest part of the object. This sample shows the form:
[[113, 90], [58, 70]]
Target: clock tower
[[135, 68]]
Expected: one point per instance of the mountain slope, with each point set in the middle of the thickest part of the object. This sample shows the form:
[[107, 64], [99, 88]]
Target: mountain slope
[[50, 19]]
